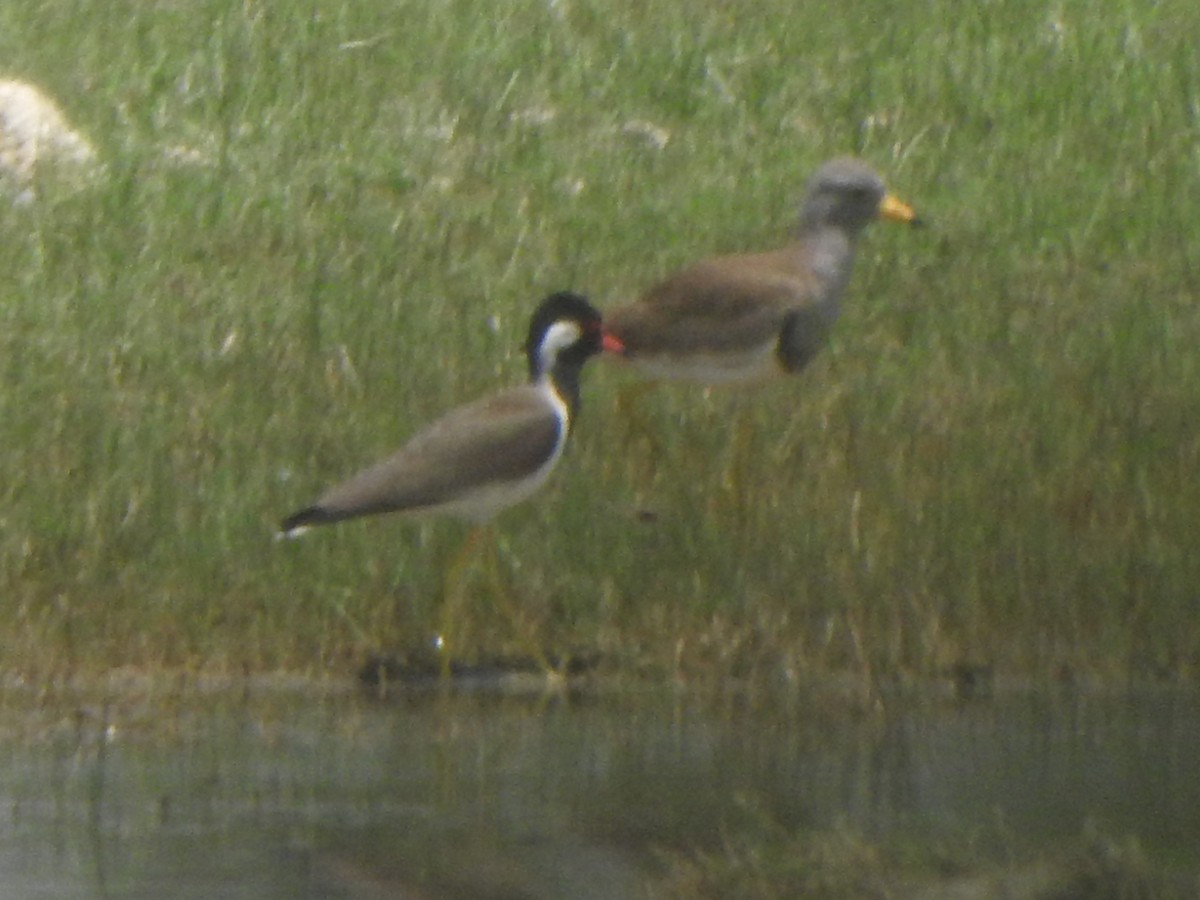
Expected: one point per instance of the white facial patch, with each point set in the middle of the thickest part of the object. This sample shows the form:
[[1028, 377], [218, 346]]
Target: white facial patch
[[558, 337]]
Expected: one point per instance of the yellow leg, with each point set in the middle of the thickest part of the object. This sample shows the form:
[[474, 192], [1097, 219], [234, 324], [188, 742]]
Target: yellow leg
[[452, 595], [453, 592], [639, 429], [733, 479], [735, 508], [512, 610]]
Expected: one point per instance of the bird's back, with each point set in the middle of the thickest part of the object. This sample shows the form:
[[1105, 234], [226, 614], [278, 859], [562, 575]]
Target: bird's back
[[718, 301], [465, 462]]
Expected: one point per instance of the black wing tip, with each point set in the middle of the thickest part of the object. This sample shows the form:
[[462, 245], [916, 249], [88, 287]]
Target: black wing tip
[[298, 521]]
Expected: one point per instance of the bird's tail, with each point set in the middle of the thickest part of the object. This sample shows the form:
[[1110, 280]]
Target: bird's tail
[[299, 522]]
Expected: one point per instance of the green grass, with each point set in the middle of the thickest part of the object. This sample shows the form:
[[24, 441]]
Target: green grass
[[995, 460], [759, 859]]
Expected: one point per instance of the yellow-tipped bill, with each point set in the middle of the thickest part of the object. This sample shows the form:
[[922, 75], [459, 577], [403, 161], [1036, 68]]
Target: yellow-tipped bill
[[893, 208]]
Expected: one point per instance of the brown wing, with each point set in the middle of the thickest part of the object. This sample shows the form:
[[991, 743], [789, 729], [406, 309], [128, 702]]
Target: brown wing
[[725, 303], [505, 436]]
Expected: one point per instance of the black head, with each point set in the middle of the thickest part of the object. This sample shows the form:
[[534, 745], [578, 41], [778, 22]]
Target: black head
[[565, 330]]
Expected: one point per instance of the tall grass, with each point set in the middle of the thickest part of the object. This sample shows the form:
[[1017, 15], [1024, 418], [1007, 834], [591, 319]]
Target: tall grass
[[323, 223]]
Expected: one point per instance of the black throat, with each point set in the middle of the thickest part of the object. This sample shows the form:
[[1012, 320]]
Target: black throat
[[564, 378]]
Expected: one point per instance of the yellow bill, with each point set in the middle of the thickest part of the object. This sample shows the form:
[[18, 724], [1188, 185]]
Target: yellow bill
[[893, 208]]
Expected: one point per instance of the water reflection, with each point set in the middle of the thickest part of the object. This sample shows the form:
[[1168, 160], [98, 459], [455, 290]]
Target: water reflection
[[305, 794]]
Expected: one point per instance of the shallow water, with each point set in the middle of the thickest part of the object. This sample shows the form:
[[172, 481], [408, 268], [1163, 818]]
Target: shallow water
[[301, 793]]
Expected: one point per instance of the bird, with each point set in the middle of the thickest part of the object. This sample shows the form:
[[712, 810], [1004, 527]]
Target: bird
[[749, 316], [485, 456]]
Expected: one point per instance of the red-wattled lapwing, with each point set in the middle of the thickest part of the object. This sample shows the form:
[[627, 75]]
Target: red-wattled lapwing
[[747, 316], [484, 456]]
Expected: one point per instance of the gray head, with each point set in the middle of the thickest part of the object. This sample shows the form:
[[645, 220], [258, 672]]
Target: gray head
[[846, 193]]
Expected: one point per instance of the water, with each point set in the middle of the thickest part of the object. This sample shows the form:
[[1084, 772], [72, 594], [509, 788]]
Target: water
[[304, 793]]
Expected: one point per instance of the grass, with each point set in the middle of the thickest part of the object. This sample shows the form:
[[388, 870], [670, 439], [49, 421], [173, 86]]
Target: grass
[[763, 859], [993, 462]]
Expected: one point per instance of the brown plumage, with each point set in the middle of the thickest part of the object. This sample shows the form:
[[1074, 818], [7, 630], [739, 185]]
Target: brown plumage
[[491, 453], [485, 456], [746, 316]]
